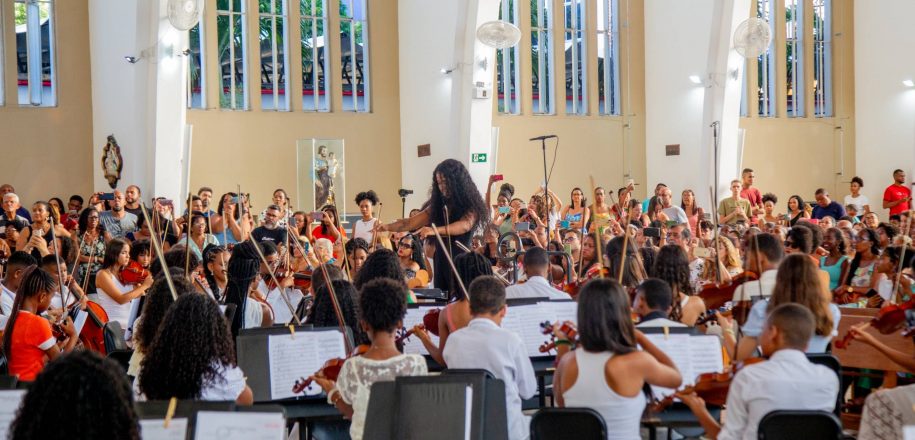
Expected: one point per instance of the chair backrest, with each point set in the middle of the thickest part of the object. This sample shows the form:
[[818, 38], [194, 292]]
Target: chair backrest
[[563, 423], [121, 357], [832, 362], [810, 425], [470, 371]]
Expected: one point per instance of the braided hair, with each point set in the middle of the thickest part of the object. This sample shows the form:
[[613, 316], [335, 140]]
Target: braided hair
[[243, 268], [470, 266], [210, 253], [192, 349], [34, 282], [92, 391]]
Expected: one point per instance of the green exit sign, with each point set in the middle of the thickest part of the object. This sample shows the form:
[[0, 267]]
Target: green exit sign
[[478, 157]]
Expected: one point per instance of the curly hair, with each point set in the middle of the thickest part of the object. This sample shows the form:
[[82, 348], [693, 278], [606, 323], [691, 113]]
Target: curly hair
[[367, 195], [672, 266], [193, 346], [769, 197], [157, 302], [383, 263], [92, 391], [416, 249], [138, 248], [463, 196], [383, 304], [322, 312]]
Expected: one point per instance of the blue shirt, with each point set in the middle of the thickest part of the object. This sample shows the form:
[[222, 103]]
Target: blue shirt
[[833, 209], [757, 319]]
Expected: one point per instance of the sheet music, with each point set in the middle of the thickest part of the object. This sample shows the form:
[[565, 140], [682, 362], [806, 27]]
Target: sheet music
[[525, 322], [693, 355], [212, 425], [281, 313], [468, 411], [291, 357], [413, 345], [154, 429], [9, 403], [561, 310], [80, 321]]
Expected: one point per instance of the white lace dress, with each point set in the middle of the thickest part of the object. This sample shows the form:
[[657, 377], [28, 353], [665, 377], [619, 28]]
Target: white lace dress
[[358, 374]]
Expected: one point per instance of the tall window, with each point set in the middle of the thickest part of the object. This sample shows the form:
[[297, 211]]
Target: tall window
[[508, 75], [765, 74], [274, 56], [314, 56], [230, 31], [576, 78], [196, 89], [35, 51], [822, 58], [794, 50], [608, 51], [542, 56], [354, 33]]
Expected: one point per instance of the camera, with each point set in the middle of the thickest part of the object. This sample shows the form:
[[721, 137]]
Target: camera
[[404, 192]]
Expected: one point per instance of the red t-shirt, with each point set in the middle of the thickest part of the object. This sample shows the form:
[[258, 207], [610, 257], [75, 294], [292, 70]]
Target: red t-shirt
[[31, 337], [316, 233], [897, 192]]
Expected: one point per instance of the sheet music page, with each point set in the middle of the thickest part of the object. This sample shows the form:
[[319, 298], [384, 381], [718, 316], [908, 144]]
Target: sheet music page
[[705, 355], [525, 322], [80, 321], [212, 425], [413, 345], [468, 412], [281, 313], [291, 357], [561, 310], [154, 429], [677, 347], [9, 403]]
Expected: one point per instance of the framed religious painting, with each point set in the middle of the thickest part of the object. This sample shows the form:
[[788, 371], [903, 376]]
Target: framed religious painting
[[321, 173]]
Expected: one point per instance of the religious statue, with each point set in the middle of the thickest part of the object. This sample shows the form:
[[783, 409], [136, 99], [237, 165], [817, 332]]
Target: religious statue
[[112, 163]]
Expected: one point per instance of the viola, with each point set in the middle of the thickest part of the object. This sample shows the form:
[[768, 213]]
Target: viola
[[888, 320], [92, 335], [330, 370], [566, 327], [134, 273], [573, 287], [709, 315], [430, 321], [711, 387], [716, 295], [404, 333]]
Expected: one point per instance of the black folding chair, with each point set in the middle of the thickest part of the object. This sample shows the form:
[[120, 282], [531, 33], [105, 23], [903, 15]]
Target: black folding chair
[[121, 357], [832, 362], [565, 423], [809, 425]]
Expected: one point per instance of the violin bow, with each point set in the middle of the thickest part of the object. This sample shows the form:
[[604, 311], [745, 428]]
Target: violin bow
[[454, 271], [89, 266], [282, 290], [598, 237], [160, 254], [79, 251], [625, 251], [60, 275], [906, 232], [448, 233], [187, 240]]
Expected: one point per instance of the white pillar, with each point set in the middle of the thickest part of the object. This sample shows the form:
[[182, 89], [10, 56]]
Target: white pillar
[[438, 108], [683, 40], [141, 104]]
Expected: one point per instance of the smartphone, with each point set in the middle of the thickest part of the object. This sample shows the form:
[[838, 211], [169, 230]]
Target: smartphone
[[504, 209], [523, 226], [317, 216], [564, 224], [235, 200], [497, 177], [106, 196], [652, 232], [701, 252]]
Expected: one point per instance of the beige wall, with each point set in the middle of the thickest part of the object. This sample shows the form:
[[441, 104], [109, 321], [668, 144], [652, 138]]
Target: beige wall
[[258, 149], [799, 155], [594, 145], [47, 151]]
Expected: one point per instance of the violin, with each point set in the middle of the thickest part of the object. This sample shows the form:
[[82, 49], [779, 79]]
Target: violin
[[888, 320], [92, 334], [404, 333], [711, 387], [330, 370], [573, 287], [548, 329], [134, 273], [709, 315], [717, 296], [430, 321]]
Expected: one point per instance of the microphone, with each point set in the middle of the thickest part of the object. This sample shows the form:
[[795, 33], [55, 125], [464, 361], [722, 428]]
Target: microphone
[[544, 137]]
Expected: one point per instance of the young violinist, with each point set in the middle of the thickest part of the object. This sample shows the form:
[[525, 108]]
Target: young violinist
[[763, 255], [797, 282], [786, 381], [49, 265], [607, 371], [215, 265], [157, 303], [653, 303], [484, 344], [382, 307], [366, 201], [16, 265], [193, 356], [28, 341], [114, 295], [357, 250], [456, 315], [672, 266]]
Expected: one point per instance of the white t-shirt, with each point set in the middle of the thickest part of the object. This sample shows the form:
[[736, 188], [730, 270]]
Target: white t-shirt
[[364, 229], [116, 312], [859, 202], [226, 386]]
